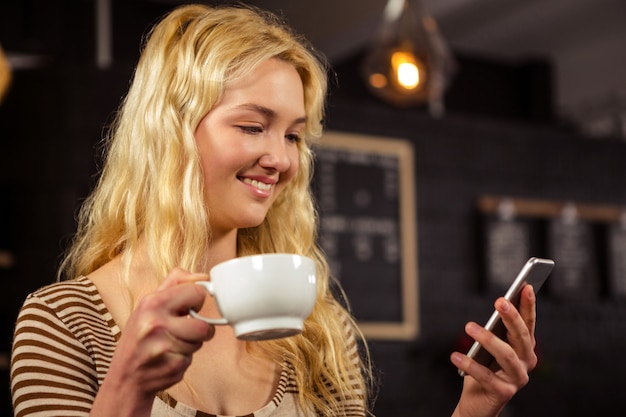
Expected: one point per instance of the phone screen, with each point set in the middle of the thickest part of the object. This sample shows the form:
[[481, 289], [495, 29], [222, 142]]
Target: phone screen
[[535, 272]]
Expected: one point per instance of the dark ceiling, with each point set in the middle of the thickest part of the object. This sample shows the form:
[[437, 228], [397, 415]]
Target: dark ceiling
[[583, 39]]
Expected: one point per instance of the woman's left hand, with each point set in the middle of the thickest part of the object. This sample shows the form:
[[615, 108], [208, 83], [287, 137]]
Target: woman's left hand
[[486, 391]]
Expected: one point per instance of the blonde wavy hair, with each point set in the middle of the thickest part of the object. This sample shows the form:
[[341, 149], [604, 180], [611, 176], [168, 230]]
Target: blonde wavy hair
[[151, 185]]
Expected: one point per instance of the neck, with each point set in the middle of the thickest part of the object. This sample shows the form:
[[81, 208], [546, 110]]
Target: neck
[[221, 248]]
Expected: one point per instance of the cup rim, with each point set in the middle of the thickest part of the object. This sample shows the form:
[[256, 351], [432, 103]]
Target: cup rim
[[264, 255]]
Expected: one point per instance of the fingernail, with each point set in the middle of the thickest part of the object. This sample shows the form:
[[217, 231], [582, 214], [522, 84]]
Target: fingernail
[[505, 306], [472, 329], [456, 358]]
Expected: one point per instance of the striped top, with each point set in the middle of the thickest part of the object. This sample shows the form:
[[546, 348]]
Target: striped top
[[64, 342]]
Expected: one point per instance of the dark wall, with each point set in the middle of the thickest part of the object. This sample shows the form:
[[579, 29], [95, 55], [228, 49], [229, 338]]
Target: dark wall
[[50, 127], [499, 138], [457, 160]]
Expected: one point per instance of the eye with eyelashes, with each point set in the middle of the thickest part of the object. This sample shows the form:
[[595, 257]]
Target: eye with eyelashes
[[250, 129], [294, 137], [256, 130]]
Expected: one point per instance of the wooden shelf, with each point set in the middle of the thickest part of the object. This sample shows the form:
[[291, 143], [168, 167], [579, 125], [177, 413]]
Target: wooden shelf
[[552, 208]]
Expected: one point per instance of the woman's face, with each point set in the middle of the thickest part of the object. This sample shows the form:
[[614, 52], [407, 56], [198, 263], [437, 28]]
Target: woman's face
[[248, 145]]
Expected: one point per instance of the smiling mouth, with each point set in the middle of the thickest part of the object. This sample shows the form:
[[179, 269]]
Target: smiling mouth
[[257, 184]]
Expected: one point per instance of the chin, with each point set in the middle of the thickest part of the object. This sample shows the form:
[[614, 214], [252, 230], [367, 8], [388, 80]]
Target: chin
[[251, 223]]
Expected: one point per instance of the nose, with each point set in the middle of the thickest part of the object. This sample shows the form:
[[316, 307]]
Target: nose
[[276, 155]]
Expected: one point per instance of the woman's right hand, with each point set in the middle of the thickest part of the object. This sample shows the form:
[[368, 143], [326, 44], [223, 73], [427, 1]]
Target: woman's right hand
[[156, 346], [487, 391]]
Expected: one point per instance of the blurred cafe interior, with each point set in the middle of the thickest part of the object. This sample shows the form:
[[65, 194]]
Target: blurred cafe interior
[[497, 134]]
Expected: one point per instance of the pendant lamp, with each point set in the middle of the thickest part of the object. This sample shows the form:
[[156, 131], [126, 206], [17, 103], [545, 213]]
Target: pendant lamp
[[408, 62]]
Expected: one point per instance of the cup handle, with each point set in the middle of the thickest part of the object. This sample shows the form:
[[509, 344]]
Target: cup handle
[[216, 321]]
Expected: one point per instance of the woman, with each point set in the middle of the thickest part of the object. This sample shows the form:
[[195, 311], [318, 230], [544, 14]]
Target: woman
[[209, 159]]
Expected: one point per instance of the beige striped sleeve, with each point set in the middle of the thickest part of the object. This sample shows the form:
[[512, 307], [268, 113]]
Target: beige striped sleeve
[[62, 348], [355, 406]]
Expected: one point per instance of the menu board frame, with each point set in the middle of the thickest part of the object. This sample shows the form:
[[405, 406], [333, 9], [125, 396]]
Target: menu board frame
[[401, 150]]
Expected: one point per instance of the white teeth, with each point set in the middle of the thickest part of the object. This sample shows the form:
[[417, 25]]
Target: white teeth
[[260, 185]]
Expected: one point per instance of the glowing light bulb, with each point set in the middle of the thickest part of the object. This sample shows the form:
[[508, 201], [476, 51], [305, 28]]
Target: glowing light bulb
[[405, 69], [408, 75], [408, 62]]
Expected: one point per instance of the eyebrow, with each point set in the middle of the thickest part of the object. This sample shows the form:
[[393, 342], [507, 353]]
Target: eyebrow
[[266, 111]]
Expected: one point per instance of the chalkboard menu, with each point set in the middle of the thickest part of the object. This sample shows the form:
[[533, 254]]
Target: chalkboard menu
[[366, 197], [571, 245], [617, 260], [508, 248]]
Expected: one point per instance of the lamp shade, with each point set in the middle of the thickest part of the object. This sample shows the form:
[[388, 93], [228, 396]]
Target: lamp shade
[[5, 73], [408, 62]]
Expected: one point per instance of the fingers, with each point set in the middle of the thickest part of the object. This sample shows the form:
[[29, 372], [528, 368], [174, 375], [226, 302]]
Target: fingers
[[179, 276], [163, 338], [516, 354], [164, 314], [162, 366], [521, 326], [191, 330], [513, 369], [168, 341], [488, 390], [169, 307], [482, 357], [177, 294], [527, 308], [159, 338]]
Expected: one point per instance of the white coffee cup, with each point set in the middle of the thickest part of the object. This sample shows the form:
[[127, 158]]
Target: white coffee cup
[[262, 297]]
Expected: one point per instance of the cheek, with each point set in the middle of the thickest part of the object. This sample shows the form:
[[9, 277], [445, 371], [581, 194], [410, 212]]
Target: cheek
[[288, 176], [294, 166]]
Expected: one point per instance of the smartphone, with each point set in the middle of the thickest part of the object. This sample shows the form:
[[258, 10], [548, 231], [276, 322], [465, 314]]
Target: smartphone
[[535, 272]]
